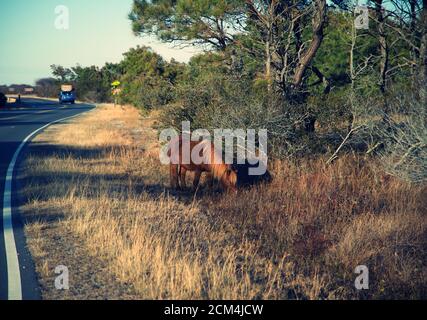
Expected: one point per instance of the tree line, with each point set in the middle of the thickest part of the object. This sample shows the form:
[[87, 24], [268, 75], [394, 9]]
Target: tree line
[[303, 69]]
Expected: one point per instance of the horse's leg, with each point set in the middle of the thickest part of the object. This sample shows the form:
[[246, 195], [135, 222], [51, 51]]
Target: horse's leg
[[182, 177], [174, 176], [211, 180], [196, 180]]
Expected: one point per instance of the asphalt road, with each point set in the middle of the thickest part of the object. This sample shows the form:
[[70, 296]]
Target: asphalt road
[[17, 275]]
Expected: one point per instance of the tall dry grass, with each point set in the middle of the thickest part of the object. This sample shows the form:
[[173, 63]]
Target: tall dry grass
[[299, 238]]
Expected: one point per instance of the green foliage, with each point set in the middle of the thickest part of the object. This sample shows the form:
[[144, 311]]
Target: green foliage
[[148, 81], [87, 81], [61, 73], [213, 100], [92, 83], [333, 56], [203, 21], [250, 79]]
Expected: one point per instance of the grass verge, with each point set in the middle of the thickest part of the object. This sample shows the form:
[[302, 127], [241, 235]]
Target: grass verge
[[97, 201]]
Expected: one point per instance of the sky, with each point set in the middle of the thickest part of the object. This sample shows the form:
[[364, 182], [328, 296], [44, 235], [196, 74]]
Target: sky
[[99, 32]]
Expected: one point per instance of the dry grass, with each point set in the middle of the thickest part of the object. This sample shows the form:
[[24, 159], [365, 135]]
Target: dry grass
[[103, 193]]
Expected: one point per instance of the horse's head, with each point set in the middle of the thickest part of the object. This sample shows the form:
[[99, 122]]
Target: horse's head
[[230, 179], [245, 179]]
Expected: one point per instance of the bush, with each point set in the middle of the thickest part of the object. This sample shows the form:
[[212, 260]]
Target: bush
[[148, 92], [223, 102], [404, 136], [3, 99], [47, 87]]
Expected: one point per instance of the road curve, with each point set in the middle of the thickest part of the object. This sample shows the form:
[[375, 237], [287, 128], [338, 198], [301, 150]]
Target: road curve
[[17, 127]]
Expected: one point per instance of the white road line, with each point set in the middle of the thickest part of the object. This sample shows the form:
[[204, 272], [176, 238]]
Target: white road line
[[13, 272], [46, 111], [12, 112], [10, 118], [24, 113]]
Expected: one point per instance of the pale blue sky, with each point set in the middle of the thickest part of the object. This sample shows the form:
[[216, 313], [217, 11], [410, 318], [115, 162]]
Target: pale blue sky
[[99, 32]]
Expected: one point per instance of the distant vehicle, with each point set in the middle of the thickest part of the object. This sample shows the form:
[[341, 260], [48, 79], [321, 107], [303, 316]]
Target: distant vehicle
[[68, 94]]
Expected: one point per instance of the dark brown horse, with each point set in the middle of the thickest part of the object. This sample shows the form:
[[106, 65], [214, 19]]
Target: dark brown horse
[[210, 161]]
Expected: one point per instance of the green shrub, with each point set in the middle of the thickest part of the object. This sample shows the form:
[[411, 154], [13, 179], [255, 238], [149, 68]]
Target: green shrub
[[223, 102], [148, 92]]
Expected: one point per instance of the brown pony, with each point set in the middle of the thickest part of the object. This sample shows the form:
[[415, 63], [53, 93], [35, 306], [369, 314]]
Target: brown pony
[[211, 162]]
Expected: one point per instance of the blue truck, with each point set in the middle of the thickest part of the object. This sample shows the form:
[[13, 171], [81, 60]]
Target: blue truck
[[67, 94]]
